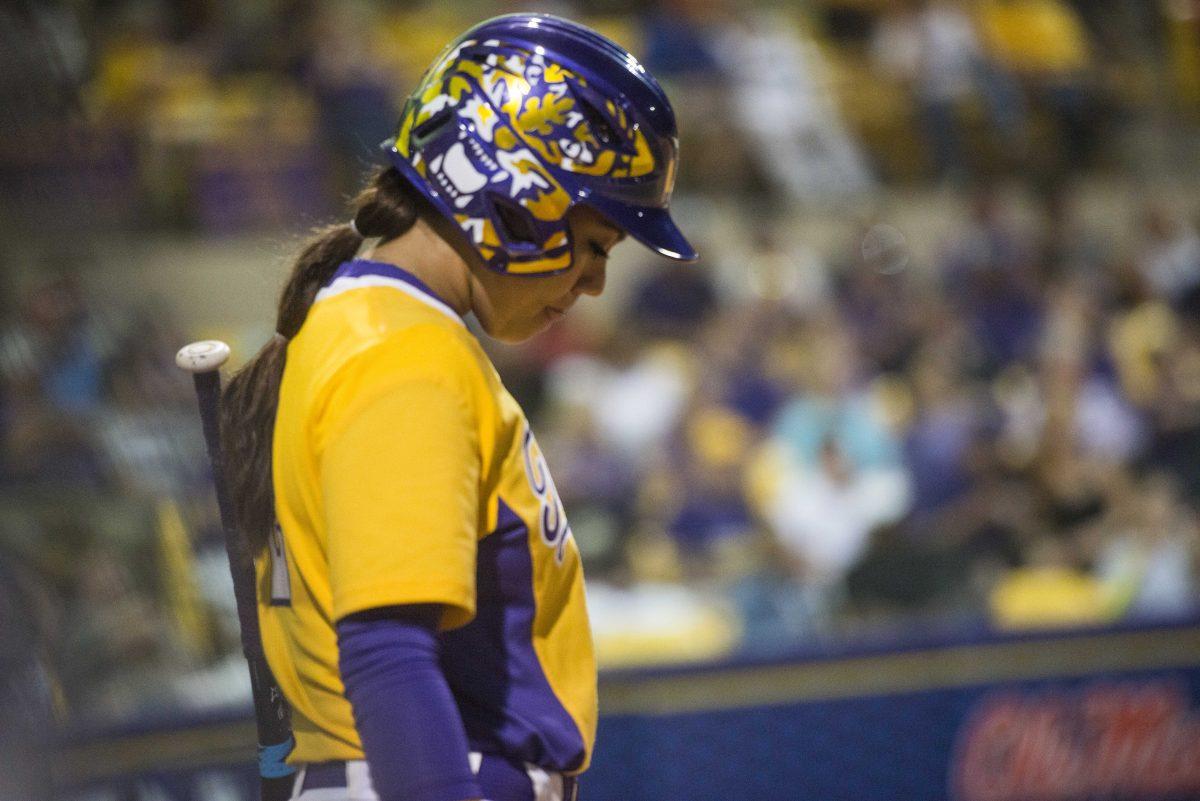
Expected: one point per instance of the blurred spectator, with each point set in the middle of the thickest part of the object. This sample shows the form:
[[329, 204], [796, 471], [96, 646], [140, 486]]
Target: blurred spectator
[[781, 101], [932, 46], [655, 618], [988, 277], [1169, 256], [1045, 44], [745, 359], [27, 686], [681, 48], [837, 471], [123, 650], [880, 299], [51, 370], [990, 237], [1083, 410], [1069, 245], [775, 272], [355, 89], [678, 36], [58, 343], [148, 428], [671, 302], [1152, 552], [1175, 410], [1052, 590], [942, 436], [598, 485], [635, 403], [708, 471]]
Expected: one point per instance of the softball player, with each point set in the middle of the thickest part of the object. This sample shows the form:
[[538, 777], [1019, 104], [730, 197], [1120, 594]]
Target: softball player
[[420, 595]]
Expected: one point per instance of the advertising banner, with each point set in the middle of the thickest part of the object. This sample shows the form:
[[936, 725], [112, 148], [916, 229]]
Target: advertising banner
[[1109, 714]]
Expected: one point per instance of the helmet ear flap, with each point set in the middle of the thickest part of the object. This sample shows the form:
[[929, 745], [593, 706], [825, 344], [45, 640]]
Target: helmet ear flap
[[525, 242], [514, 223]]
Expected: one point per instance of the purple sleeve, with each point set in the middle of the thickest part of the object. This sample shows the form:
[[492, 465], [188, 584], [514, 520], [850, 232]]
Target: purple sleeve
[[409, 724]]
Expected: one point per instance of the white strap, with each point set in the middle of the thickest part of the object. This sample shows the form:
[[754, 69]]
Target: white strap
[[358, 781], [546, 786]]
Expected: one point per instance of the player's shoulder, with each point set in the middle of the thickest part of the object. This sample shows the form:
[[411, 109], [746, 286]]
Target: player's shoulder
[[376, 329], [379, 309], [423, 360], [386, 352], [426, 349]]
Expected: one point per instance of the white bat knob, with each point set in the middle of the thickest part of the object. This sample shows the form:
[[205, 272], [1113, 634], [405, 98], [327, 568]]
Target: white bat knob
[[202, 357]]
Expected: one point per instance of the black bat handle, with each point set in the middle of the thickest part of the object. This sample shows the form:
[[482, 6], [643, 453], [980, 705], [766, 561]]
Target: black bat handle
[[271, 715]]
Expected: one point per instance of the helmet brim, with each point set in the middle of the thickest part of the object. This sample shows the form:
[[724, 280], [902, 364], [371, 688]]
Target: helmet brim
[[651, 226]]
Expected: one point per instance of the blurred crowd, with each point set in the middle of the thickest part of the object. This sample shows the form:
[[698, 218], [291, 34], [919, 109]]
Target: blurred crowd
[[111, 564], [223, 118], [792, 441], [812, 443]]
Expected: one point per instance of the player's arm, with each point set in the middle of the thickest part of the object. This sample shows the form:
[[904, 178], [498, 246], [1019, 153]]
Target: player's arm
[[405, 714], [400, 468]]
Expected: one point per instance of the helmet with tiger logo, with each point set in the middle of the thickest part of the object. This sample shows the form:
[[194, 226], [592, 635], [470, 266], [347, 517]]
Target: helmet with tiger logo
[[524, 116]]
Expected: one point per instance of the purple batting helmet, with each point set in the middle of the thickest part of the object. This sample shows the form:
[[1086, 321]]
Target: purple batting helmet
[[522, 117]]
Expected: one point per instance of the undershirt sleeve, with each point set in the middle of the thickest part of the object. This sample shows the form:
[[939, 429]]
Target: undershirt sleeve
[[411, 730]]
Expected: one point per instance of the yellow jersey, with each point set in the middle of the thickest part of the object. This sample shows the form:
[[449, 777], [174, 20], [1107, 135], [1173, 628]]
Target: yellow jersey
[[405, 473]]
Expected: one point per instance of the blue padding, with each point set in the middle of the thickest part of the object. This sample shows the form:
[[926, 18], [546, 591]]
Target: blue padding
[[271, 758]]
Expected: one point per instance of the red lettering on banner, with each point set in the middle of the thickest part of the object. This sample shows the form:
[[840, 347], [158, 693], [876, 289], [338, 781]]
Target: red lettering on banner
[[1105, 741]]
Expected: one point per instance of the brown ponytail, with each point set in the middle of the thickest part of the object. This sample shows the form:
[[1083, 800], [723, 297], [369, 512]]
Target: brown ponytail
[[387, 208]]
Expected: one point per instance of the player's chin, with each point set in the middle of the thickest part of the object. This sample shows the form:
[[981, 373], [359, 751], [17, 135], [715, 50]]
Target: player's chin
[[516, 331]]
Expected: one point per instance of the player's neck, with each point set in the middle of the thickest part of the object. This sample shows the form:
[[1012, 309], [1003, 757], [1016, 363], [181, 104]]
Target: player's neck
[[425, 254]]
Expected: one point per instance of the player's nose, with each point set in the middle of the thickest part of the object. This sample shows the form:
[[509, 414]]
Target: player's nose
[[592, 278]]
